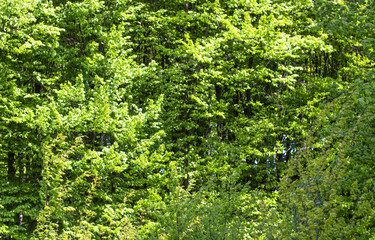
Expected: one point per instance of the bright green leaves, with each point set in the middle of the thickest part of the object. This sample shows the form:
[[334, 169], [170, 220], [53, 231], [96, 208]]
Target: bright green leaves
[[68, 72], [115, 112], [218, 210], [28, 40]]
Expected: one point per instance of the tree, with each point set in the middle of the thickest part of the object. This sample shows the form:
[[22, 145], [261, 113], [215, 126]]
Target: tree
[[28, 51], [328, 189], [66, 80]]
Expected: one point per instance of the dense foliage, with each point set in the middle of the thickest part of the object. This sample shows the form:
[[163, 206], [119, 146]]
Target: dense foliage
[[134, 119]]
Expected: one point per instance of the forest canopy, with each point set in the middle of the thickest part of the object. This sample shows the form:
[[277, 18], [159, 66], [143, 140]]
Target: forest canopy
[[219, 119]]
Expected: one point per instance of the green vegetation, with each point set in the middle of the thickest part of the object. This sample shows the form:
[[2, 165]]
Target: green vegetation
[[135, 119]]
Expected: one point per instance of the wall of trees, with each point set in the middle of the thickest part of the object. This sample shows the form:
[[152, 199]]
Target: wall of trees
[[130, 119]]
